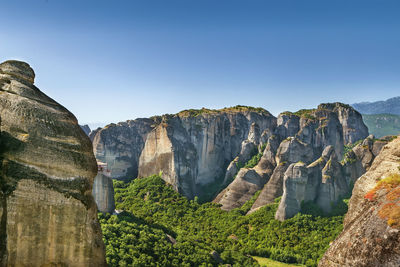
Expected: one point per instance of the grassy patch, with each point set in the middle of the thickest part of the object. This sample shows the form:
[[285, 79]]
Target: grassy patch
[[256, 158], [271, 263]]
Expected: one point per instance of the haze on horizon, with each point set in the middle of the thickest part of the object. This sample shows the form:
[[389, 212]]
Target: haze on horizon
[[112, 61]]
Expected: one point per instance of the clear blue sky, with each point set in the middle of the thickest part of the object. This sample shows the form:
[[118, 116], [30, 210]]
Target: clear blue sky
[[109, 61]]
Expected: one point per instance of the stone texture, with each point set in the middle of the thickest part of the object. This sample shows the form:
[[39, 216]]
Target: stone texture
[[120, 145], [245, 185], [353, 126], [103, 193], [49, 217], [193, 151], [248, 181], [294, 192], [248, 150], [306, 136], [315, 134], [368, 238], [326, 180]]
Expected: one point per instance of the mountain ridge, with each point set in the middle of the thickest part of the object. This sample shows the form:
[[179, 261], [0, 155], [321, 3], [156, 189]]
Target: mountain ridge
[[390, 106]]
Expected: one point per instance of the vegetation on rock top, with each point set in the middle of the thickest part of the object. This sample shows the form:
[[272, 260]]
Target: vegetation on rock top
[[238, 108]]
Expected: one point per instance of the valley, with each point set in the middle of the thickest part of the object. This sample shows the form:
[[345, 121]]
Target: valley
[[235, 186]]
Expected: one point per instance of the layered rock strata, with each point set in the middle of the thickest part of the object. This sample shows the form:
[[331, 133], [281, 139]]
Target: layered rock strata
[[48, 215]]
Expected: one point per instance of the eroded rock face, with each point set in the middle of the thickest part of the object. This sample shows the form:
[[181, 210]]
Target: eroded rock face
[[353, 126], [120, 145], [103, 193], [371, 235], [294, 192], [248, 180], [326, 180], [322, 131], [47, 165], [290, 150], [303, 142], [245, 185], [194, 151]]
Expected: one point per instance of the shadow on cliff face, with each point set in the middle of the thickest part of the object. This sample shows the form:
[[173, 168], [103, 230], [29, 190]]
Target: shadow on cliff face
[[7, 143]]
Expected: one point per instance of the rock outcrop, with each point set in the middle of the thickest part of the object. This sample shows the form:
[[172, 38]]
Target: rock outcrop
[[330, 125], [120, 145], [48, 215], [196, 150], [371, 234], [103, 193], [193, 148], [86, 129], [304, 144]]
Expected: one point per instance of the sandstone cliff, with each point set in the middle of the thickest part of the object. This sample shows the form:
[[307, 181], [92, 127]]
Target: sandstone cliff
[[48, 215], [371, 234]]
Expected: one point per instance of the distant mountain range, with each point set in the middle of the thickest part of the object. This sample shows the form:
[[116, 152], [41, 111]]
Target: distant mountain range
[[390, 106], [381, 117]]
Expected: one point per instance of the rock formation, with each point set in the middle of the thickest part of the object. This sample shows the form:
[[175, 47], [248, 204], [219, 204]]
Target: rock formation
[[86, 129], [302, 152], [48, 215], [120, 145], [196, 150], [371, 234], [103, 193], [193, 148]]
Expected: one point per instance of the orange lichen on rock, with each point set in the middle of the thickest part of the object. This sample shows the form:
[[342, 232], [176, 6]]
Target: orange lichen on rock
[[388, 191], [391, 213], [393, 195], [370, 195], [389, 183]]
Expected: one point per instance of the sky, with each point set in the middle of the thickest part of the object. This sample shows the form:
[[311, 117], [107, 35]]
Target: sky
[[110, 61]]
